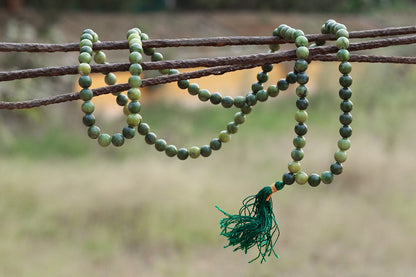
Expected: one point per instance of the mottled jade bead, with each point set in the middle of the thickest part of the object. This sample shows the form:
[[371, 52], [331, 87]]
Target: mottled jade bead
[[117, 139], [345, 68], [215, 144], [204, 95], [183, 154], [134, 94], [297, 154], [288, 178], [135, 69], [301, 65], [143, 129], [302, 52], [194, 152], [336, 168], [262, 77], [301, 116], [86, 49], [272, 91], [129, 132], [232, 127], [294, 167], [224, 136], [301, 178], [122, 100], [343, 55], [239, 101], [302, 78], [342, 33], [171, 150], [156, 57], [216, 98], [85, 42], [262, 95], [88, 120], [85, 81], [227, 102], [345, 131], [84, 58], [193, 89], [340, 156], [291, 77], [314, 180], [100, 57], [301, 41], [86, 94], [346, 106], [342, 43], [282, 84], [345, 118], [150, 138], [94, 131], [183, 84], [302, 103], [246, 109], [86, 36], [104, 140], [133, 119], [345, 80], [160, 145], [274, 47], [251, 99], [345, 93], [299, 142], [135, 81], [267, 67], [110, 79], [301, 91], [88, 107], [84, 69], [239, 118], [327, 177], [136, 47], [205, 151], [344, 144], [255, 87], [301, 129]]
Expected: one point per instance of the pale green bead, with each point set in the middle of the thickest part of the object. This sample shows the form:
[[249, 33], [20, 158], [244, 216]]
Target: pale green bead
[[301, 116], [133, 119], [84, 69], [344, 144], [224, 136], [294, 167], [104, 140], [301, 178], [100, 57], [194, 152], [340, 156]]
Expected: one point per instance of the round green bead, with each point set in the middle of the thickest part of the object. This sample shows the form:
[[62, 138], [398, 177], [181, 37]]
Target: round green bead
[[301, 116], [215, 144], [86, 49], [86, 94], [301, 41], [117, 139], [88, 107], [85, 81], [136, 41], [134, 94], [262, 77], [224, 136], [100, 57], [294, 167], [84, 57], [299, 142], [160, 145], [345, 81], [288, 178], [171, 150], [135, 69], [345, 131], [86, 36], [149, 51], [345, 68], [302, 52], [85, 42], [84, 69], [150, 138], [342, 33], [301, 178], [157, 57], [301, 91], [232, 127], [135, 57], [88, 120], [129, 132], [346, 106], [205, 151], [183, 84], [342, 43], [133, 119], [297, 154], [193, 89], [344, 144], [255, 87], [194, 152], [302, 78], [216, 98], [183, 154], [239, 101], [204, 95], [345, 93], [282, 84], [94, 131], [292, 77], [239, 118], [134, 107], [298, 33], [227, 102], [246, 109], [122, 100], [262, 95], [251, 99], [327, 177], [143, 129], [336, 168], [343, 55], [135, 81], [314, 180], [340, 156], [110, 79], [274, 47], [104, 140], [267, 67], [272, 91], [301, 65]]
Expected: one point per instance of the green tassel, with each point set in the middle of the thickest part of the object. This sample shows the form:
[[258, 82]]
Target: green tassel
[[255, 224]]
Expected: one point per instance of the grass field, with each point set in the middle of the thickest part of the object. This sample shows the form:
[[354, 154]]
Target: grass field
[[71, 208]]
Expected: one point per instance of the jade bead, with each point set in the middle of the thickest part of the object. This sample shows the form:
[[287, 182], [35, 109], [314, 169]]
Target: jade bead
[[301, 116], [276, 32], [338, 27], [340, 156], [204, 95], [122, 100], [345, 131], [302, 52], [314, 180], [301, 129], [343, 55], [345, 80], [84, 58], [327, 177], [85, 42], [301, 65], [262, 95], [336, 168], [135, 41], [291, 77], [294, 167], [135, 81], [345, 68], [150, 138], [84, 69], [301, 91], [149, 51], [251, 99], [301, 178], [143, 129], [144, 36], [88, 31], [193, 89], [131, 31], [129, 132], [288, 178], [279, 29], [297, 155], [160, 145], [299, 33], [216, 98], [282, 84], [215, 144], [171, 150], [94, 131], [134, 107], [85, 81], [342, 33], [86, 94], [342, 43], [205, 151], [194, 152], [133, 119], [255, 87], [302, 103], [133, 36], [345, 93], [134, 94], [86, 49], [239, 101], [239, 118], [272, 91], [157, 57], [301, 41], [117, 139], [299, 142], [227, 102], [88, 120], [274, 47], [246, 109], [135, 69], [232, 127], [110, 79], [104, 140], [224, 136], [346, 106], [86, 36], [136, 47], [262, 77], [173, 71], [100, 57], [183, 154], [345, 118], [267, 67], [289, 34], [183, 84], [344, 144], [88, 107], [302, 78]]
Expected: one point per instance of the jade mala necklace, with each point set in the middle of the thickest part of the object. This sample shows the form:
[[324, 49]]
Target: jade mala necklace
[[255, 225]]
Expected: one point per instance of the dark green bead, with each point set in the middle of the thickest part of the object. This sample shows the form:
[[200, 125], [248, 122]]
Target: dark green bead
[[301, 129], [251, 99], [302, 103], [110, 79], [232, 127], [299, 142], [327, 177], [345, 81], [117, 139], [205, 151], [215, 98], [183, 154], [246, 109], [262, 95], [336, 168], [157, 57], [183, 84], [87, 107], [84, 81], [255, 87], [150, 138], [86, 36], [239, 118], [143, 129], [345, 118], [160, 145], [276, 32], [122, 100], [297, 154], [215, 144], [262, 77], [134, 106], [173, 72], [291, 77], [301, 91], [88, 119], [282, 84], [204, 95], [149, 51], [345, 68], [272, 91], [94, 131], [267, 67], [239, 101], [314, 180], [302, 78], [274, 47], [86, 49], [193, 89], [129, 132], [301, 65], [345, 93], [227, 102], [345, 131], [343, 55], [288, 178], [86, 94], [346, 106], [171, 150]]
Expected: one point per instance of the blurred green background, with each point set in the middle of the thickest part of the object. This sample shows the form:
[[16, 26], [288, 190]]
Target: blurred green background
[[71, 208]]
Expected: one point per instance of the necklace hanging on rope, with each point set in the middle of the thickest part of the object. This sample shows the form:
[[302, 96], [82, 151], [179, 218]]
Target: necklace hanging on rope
[[255, 225]]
